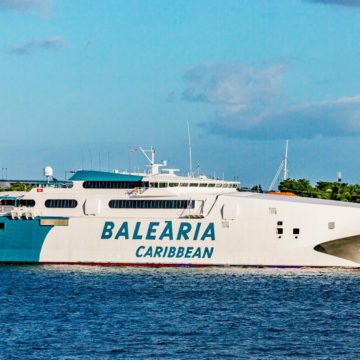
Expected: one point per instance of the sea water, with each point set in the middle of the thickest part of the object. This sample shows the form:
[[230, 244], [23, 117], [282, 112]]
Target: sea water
[[75, 312]]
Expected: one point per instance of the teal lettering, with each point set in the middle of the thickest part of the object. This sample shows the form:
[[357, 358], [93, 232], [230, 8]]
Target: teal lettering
[[209, 232], [168, 231], [149, 252], [165, 251], [172, 251], [123, 231], [180, 252], [188, 252], [136, 235], [158, 251], [107, 231], [138, 251], [197, 229], [197, 253], [151, 233], [208, 252], [184, 229]]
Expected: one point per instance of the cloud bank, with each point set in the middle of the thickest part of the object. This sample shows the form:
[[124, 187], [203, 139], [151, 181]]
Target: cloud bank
[[248, 104], [24, 6], [50, 43]]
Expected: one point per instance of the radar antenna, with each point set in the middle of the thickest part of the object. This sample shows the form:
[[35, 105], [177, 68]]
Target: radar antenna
[[155, 168]]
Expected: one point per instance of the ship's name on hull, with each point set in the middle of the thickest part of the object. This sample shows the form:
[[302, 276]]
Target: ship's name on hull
[[157, 230]]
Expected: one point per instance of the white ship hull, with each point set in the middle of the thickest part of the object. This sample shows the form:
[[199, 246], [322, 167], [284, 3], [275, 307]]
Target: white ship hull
[[226, 228]]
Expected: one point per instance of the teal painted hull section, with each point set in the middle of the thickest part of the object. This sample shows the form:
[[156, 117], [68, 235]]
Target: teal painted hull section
[[21, 240]]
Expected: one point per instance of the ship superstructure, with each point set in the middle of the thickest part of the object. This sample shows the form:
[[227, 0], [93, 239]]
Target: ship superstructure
[[160, 218]]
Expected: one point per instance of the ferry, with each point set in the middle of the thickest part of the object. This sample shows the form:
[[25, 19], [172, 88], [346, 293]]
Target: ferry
[[159, 218]]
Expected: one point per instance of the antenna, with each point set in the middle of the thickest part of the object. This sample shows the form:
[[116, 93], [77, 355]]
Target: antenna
[[283, 164], [285, 160], [190, 155], [155, 168], [82, 160]]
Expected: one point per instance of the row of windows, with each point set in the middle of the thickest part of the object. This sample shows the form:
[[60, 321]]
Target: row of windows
[[113, 184], [152, 204], [61, 203], [165, 184], [139, 184], [21, 202], [114, 204]]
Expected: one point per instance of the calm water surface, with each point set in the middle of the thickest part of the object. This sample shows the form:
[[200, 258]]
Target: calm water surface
[[55, 312]]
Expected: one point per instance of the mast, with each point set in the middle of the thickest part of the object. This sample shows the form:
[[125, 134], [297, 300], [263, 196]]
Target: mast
[[283, 164], [190, 154], [285, 161], [155, 168]]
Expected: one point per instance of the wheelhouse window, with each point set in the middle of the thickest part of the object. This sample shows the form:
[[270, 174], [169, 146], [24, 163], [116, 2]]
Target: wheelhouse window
[[152, 204], [114, 184], [7, 202], [61, 203], [18, 202], [27, 202]]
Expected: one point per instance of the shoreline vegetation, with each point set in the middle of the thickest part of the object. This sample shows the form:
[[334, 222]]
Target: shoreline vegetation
[[322, 190]]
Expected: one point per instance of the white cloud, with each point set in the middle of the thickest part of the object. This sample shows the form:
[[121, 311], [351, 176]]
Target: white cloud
[[50, 43], [232, 84], [248, 104]]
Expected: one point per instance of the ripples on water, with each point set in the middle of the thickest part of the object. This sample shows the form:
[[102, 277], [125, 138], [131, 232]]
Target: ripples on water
[[49, 312]]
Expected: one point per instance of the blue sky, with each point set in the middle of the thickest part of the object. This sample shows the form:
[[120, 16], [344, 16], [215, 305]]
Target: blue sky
[[83, 78]]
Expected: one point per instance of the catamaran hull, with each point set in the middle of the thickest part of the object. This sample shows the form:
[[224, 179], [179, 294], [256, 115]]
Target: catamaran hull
[[251, 234]]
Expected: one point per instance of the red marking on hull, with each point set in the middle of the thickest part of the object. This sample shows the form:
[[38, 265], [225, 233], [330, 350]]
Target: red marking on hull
[[174, 265]]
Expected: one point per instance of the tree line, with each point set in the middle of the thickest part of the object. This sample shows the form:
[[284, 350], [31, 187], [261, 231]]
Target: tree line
[[322, 190]]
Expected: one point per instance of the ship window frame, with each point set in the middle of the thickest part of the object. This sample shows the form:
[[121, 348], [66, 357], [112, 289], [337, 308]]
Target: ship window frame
[[61, 203], [151, 204], [113, 184], [296, 231], [27, 202], [8, 202], [2, 226]]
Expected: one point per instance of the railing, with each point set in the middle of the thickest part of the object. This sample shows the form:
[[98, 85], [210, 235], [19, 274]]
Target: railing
[[18, 213]]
